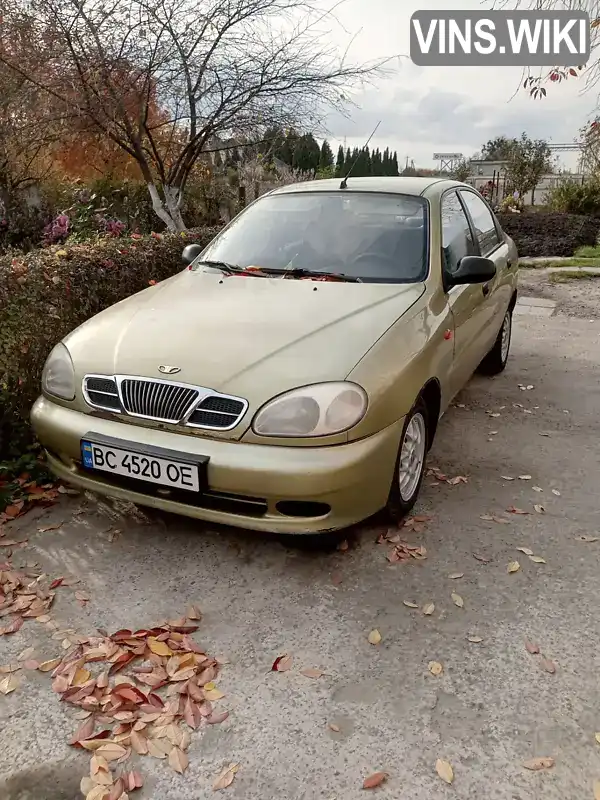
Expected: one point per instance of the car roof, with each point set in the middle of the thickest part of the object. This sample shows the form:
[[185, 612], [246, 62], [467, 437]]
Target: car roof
[[396, 185]]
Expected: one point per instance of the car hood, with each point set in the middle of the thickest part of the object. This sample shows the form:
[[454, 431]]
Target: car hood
[[254, 337]]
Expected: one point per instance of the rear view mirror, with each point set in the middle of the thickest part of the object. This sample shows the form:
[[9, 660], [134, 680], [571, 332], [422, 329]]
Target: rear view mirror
[[191, 253], [472, 269]]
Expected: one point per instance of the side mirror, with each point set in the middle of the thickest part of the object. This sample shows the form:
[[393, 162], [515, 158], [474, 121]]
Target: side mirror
[[472, 269], [191, 253]]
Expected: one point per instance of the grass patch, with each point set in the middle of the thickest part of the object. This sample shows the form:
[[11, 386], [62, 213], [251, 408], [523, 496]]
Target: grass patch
[[588, 251], [579, 261], [575, 275]]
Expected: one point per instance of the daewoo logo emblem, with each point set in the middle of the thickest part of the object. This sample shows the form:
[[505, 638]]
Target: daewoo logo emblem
[[166, 370]]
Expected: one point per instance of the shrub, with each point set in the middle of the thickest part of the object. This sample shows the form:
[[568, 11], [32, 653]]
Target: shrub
[[49, 292], [575, 198], [549, 234]]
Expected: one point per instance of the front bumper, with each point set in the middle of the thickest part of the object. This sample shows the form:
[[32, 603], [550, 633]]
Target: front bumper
[[261, 487]]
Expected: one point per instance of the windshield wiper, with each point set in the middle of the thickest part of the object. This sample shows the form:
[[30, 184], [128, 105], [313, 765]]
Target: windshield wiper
[[230, 269], [302, 272]]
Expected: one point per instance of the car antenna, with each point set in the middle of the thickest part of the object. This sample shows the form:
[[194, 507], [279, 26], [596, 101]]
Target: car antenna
[[344, 183]]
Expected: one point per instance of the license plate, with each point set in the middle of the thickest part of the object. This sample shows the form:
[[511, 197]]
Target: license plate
[[145, 464]]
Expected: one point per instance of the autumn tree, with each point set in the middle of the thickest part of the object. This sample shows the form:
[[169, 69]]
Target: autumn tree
[[216, 70], [528, 160], [498, 148]]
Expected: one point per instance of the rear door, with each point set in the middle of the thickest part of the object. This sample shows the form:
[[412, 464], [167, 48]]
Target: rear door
[[491, 243], [467, 301]]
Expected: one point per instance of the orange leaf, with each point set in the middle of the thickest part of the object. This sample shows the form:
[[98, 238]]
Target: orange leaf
[[375, 780]]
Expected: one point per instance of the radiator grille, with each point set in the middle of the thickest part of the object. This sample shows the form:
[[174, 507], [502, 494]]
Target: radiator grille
[[165, 401]]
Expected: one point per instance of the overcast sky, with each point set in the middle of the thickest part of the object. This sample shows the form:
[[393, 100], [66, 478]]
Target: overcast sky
[[432, 109]]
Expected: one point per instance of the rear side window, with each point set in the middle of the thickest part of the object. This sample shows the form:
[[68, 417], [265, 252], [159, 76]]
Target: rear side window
[[457, 241], [483, 222]]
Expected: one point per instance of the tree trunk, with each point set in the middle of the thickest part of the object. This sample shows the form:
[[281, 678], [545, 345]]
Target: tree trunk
[[168, 210]]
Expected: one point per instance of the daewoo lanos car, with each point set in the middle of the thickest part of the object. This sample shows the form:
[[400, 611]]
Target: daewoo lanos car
[[291, 377]]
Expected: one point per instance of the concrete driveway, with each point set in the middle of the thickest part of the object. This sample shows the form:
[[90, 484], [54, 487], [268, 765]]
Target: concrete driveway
[[493, 707]]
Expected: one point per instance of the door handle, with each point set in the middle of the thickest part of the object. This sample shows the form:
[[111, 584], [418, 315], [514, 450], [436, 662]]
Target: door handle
[[485, 289]]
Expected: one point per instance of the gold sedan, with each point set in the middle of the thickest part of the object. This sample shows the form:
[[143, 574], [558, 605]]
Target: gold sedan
[[291, 377]]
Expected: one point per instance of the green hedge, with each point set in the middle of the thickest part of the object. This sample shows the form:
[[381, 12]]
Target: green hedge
[[46, 293]]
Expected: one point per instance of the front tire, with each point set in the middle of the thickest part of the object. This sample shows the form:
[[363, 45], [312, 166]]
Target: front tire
[[495, 361], [410, 465]]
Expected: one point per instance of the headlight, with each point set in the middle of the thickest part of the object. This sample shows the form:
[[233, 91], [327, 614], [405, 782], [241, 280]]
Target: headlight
[[58, 377], [318, 410]]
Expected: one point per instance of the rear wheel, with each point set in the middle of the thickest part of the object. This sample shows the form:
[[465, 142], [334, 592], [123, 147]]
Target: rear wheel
[[496, 359], [410, 465]]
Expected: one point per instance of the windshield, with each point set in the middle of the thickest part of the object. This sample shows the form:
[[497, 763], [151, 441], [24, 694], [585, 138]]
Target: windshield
[[375, 237]]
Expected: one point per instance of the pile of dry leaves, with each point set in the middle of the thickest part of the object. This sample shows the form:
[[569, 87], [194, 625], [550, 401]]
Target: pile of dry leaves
[[403, 551], [136, 691]]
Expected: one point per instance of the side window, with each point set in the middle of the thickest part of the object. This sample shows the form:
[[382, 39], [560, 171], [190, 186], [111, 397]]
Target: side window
[[483, 222], [456, 233]]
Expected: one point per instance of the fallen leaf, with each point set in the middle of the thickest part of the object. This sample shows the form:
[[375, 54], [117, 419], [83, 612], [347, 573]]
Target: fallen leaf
[[56, 583], [408, 604], [86, 785], [444, 770], [178, 760], [225, 777], [9, 684], [194, 612], [51, 527], [457, 600], [311, 672], [539, 763], [556, 492], [532, 648], [537, 488], [435, 668], [159, 648], [524, 477], [336, 728], [282, 664], [428, 609], [374, 637], [156, 748], [26, 654], [540, 509], [213, 694], [548, 666], [83, 597], [483, 559], [514, 566], [597, 737], [214, 719], [507, 478], [456, 575], [513, 510], [525, 550], [537, 559], [111, 751], [585, 538], [375, 780], [97, 793], [47, 666], [475, 639]]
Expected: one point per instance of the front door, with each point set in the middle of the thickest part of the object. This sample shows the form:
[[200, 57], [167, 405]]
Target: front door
[[492, 245], [467, 302]]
